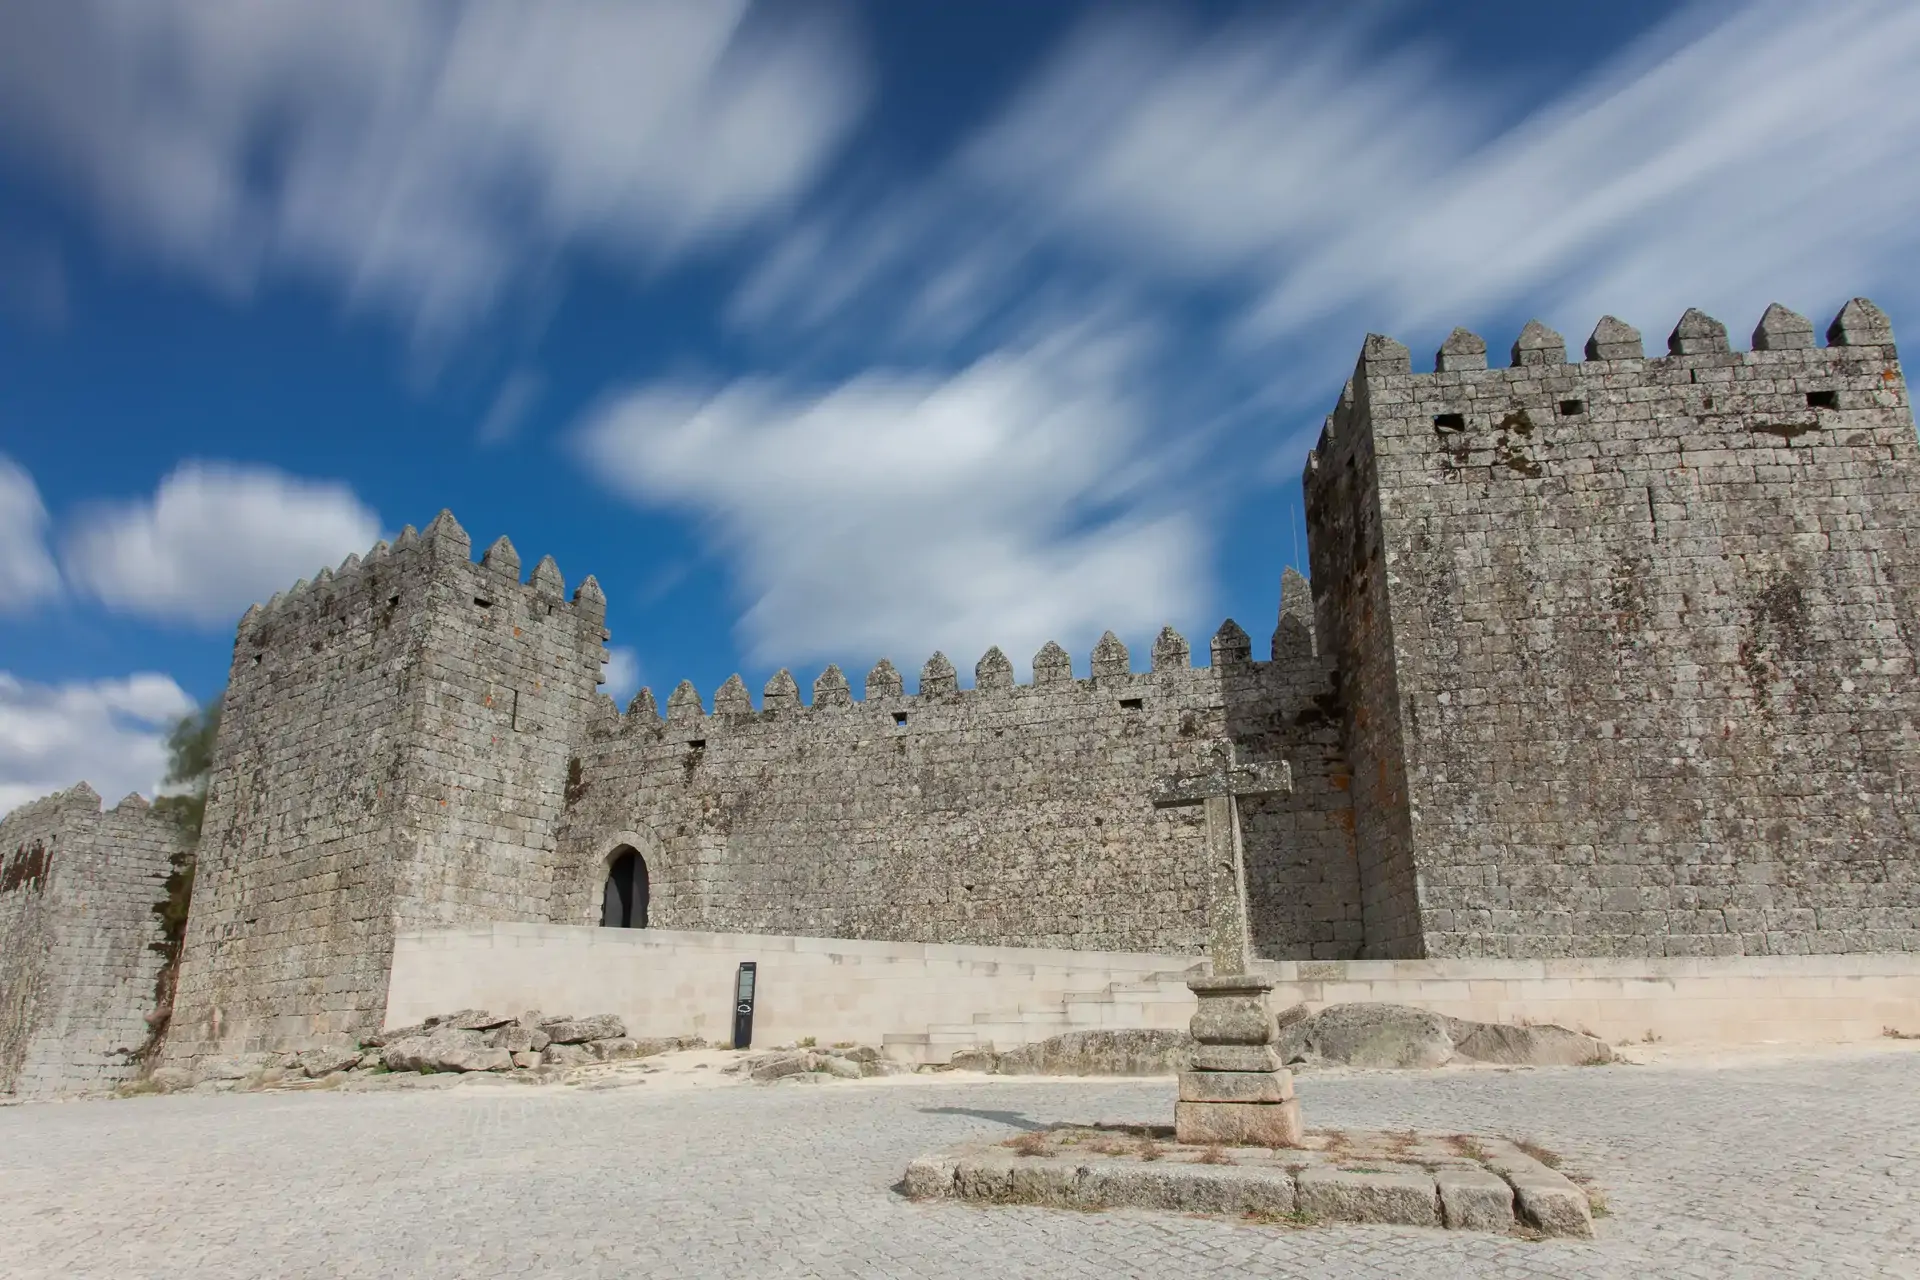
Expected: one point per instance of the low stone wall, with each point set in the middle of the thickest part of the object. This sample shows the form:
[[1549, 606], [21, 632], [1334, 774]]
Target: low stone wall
[[1681, 1000], [667, 983]]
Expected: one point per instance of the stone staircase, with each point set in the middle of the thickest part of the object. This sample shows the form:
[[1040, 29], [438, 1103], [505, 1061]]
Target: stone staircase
[[1158, 1001]]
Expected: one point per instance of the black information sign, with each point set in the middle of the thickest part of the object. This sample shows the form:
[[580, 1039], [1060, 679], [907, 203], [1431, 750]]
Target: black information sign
[[743, 1006]]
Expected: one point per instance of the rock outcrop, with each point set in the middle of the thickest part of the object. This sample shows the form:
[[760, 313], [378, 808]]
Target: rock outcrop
[[1378, 1036], [1397, 1036]]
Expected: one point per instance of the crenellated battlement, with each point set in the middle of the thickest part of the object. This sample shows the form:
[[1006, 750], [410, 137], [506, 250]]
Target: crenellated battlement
[[1784, 381], [414, 554], [1605, 656], [1110, 668], [1610, 627]]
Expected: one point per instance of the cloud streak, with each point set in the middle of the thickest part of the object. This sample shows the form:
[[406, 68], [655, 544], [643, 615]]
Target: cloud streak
[[108, 733], [898, 511], [213, 539], [1323, 181], [27, 572], [422, 157]]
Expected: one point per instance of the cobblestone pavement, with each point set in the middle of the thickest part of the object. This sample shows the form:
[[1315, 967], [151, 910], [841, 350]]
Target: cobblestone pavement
[[1808, 1167]]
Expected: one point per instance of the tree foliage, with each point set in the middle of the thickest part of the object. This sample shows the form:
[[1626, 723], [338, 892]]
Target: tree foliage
[[189, 762]]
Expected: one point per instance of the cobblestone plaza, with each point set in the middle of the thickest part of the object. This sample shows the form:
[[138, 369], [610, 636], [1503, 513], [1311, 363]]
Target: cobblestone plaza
[[1806, 1166]]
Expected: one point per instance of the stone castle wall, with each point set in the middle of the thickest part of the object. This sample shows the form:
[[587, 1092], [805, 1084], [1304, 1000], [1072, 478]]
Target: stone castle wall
[[1011, 814], [1629, 643], [1614, 658], [80, 943], [392, 755]]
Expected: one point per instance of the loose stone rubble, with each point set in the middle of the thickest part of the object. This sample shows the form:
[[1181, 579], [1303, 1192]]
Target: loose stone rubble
[[531, 1045], [811, 1066], [1412, 1179]]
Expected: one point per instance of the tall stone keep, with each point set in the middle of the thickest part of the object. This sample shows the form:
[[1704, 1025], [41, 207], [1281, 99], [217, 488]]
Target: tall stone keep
[[1626, 646], [82, 944], [393, 755]]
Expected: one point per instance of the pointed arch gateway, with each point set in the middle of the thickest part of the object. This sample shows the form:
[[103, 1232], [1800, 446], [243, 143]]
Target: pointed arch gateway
[[623, 902]]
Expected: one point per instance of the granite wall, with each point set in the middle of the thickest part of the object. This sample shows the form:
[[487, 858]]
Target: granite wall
[[1009, 814], [392, 754], [80, 942], [1629, 643]]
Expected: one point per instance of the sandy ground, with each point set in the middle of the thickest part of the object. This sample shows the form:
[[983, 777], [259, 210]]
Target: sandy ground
[[707, 1068]]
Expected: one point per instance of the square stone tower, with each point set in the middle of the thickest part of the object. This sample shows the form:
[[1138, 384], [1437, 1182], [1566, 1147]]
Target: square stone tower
[[1627, 645], [81, 941], [393, 754]]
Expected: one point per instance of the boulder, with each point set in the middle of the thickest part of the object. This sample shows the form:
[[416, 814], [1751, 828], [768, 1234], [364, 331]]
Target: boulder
[[612, 1049], [172, 1079], [601, 1026], [526, 1059], [1397, 1036], [975, 1060], [1545, 1045], [321, 1062], [381, 1039], [237, 1066], [1369, 1035], [471, 1020], [777, 1065], [565, 1055], [857, 1053], [664, 1044], [884, 1067], [372, 1058], [1101, 1053], [843, 1068], [515, 1038], [446, 1049]]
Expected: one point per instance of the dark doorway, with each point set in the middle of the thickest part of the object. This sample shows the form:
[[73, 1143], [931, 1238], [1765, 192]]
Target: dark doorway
[[625, 903]]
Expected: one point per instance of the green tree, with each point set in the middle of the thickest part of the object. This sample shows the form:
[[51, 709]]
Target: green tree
[[189, 765], [189, 762]]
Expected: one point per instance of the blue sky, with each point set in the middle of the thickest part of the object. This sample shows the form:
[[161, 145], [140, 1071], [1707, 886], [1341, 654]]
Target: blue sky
[[822, 332]]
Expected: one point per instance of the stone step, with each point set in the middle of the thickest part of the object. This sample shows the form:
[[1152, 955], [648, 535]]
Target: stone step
[[1146, 996], [1037, 1017]]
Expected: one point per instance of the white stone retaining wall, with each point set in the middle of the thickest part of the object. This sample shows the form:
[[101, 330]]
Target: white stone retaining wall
[[926, 1000]]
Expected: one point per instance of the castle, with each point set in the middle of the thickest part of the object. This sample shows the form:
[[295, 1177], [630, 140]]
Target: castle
[[1600, 658]]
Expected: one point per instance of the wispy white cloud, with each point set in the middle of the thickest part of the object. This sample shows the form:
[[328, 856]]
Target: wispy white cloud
[[417, 154], [1734, 153], [108, 733], [620, 676], [27, 572], [897, 512], [1271, 190], [213, 539], [512, 403], [1319, 181]]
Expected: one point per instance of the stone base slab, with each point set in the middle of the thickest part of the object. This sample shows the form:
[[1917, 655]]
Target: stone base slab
[[1236, 1086], [1236, 1057], [1239, 1124], [1412, 1179]]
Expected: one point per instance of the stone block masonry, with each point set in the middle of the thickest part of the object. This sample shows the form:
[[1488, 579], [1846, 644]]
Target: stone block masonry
[[393, 755], [81, 945], [1609, 658], [1007, 814], [1627, 645]]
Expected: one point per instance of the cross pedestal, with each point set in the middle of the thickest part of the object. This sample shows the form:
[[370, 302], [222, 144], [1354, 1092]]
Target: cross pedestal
[[1237, 1091]]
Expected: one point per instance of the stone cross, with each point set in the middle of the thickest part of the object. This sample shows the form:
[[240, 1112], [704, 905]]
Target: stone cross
[[1220, 790]]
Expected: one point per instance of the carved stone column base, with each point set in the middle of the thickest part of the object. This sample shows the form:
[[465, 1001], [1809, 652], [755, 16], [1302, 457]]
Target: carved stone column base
[[1237, 1093], [1239, 1124]]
